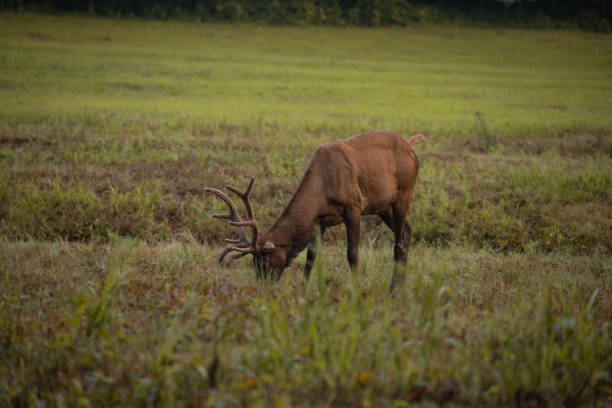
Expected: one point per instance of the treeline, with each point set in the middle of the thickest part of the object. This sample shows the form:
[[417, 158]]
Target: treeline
[[594, 15]]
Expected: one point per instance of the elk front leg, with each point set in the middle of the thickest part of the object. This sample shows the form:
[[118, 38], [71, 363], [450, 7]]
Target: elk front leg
[[313, 249], [352, 222]]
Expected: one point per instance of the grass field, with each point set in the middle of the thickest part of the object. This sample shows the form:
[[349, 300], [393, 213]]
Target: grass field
[[111, 295]]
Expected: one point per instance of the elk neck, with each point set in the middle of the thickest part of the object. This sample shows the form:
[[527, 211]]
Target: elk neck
[[296, 225]]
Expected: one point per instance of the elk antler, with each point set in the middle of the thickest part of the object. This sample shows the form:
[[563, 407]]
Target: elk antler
[[243, 246], [250, 221]]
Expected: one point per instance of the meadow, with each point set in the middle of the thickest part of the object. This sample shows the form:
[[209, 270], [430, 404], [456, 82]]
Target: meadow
[[111, 295]]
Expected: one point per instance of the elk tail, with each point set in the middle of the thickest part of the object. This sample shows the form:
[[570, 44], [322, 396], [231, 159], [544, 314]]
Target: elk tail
[[416, 138]]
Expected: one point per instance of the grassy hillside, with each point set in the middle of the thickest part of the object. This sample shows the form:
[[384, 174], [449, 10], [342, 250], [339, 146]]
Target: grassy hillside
[[111, 295], [187, 75], [116, 126]]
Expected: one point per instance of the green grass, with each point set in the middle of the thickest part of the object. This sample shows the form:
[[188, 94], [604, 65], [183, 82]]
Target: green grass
[[130, 324], [111, 295], [116, 126], [187, 74]]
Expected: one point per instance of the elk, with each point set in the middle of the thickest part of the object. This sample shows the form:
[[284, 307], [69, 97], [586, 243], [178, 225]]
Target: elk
[[369, 173]]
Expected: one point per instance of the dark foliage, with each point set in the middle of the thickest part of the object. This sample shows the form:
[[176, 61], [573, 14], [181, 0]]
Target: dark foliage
[[594, 15]]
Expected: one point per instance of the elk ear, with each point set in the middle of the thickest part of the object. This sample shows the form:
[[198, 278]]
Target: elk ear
[[268, 246]]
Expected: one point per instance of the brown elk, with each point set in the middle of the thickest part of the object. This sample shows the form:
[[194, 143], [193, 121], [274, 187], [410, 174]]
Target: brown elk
[[369, 173]]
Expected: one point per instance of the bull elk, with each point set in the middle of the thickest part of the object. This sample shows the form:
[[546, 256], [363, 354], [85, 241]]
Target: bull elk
[[369, 173]]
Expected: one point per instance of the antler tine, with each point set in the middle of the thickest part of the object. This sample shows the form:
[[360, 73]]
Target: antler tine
[[235, 256], [244, 196], [243, 246], [242, 252], [233, 212], [225, 252], [251, 221], [233, 215], [246, 223]]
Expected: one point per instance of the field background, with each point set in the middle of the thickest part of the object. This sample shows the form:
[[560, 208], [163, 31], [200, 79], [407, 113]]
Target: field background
[[110, 130]]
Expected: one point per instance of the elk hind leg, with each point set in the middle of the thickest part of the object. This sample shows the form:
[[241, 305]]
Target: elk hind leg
[[401, 246], [395, 218]]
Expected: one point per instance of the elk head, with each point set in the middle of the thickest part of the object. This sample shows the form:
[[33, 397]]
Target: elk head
[[269, 260]]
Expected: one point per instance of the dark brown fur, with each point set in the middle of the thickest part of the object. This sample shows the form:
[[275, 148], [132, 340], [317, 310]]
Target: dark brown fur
[[369, 173]]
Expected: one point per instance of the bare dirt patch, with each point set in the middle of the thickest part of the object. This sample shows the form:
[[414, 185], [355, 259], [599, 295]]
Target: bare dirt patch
[[12, 139]]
